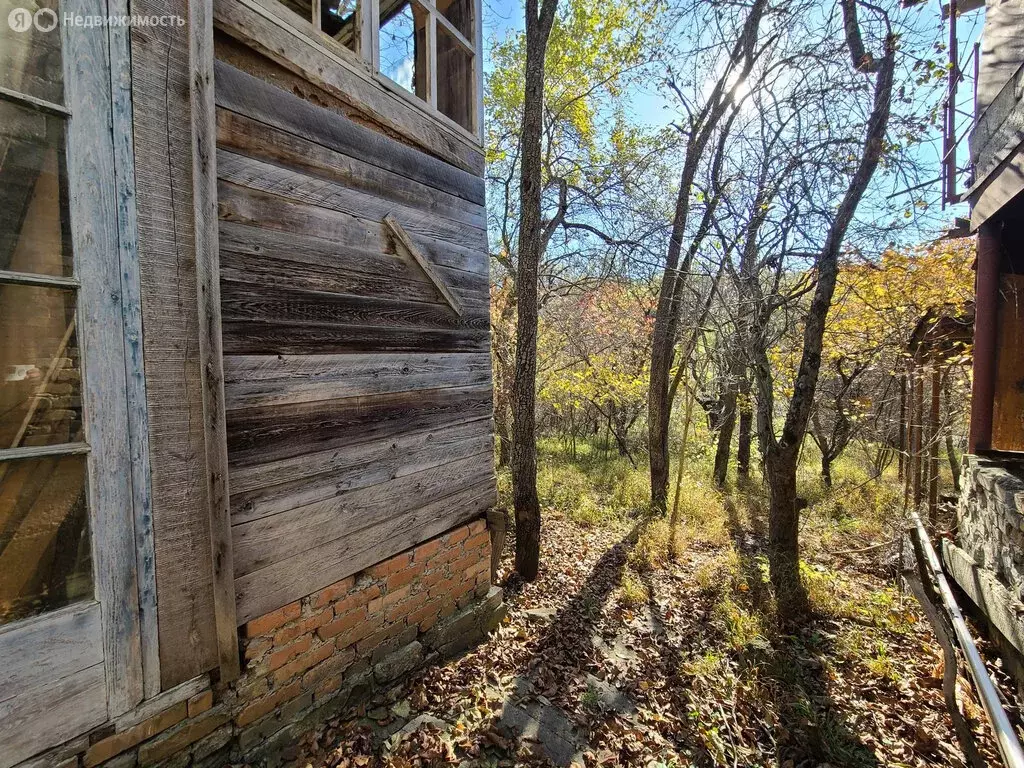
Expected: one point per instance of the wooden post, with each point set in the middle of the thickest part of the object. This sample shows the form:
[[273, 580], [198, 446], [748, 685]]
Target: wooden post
[[985, 308], [918, 443], [933, 448], [902, 454], [211, 355]]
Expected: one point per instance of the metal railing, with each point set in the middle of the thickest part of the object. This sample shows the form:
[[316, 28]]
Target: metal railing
[[1006, 737]]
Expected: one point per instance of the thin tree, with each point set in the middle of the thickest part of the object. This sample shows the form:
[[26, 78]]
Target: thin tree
[[531, 236], [782, 451], [721, 103]]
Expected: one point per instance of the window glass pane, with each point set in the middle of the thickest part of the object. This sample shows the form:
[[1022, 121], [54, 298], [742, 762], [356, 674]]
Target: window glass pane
[[403, 45], [455, 94], [340, 20], [45, 560], [40, 392], [34, 234], [29, 58], [460, 14]]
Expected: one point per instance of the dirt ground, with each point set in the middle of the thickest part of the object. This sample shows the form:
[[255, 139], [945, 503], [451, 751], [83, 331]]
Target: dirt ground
[[618, 655]]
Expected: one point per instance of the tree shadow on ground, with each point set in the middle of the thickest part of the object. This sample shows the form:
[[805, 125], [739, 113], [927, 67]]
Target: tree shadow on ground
[[811, 730]]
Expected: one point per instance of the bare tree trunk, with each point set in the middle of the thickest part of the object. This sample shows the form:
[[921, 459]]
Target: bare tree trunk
[[673, 525], [743, 442], [531, 238], [826, 470], [724, 447]]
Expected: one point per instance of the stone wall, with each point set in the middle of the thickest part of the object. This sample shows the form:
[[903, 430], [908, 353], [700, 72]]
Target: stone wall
[[991, 518], [310, 660]]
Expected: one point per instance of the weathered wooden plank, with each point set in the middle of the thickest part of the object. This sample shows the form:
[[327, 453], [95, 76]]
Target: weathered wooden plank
[[131, 307], [1008, 407], [270, 272], [260, 380], [269, 338], [283, 251], [272, 587], [50, 647], [381, 462], [248, 95], [406, 244], [300, 187], [249, 206], [50, 714], [280, 179], [268, 434], [163, 168], [250, 137], [152, 707], [268, 540], [344, 459], [283, 41], [94, 211], [204, 181], [245, 301]]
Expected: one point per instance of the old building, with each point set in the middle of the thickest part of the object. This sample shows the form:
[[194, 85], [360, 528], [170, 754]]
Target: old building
[[245, 414], [987, 558]]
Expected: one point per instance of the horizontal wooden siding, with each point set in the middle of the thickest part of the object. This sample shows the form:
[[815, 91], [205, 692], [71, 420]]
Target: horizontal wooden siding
[[358, 401]]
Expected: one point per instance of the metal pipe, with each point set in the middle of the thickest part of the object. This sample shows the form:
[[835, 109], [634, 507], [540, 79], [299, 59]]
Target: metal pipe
[[1006, 738]]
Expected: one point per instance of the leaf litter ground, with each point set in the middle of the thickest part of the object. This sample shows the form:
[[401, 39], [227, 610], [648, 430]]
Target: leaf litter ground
[[617, 655]]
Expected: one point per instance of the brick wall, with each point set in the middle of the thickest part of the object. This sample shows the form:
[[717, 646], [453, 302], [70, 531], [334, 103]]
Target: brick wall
[[310, 660]]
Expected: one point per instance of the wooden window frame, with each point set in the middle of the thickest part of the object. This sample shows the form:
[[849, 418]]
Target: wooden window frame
[[368, 54], [73, 668]]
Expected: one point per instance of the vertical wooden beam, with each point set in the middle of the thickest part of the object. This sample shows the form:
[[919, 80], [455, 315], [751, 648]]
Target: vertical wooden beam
[[902, 455], [918, 438], [478, 68], [372, 31], [204, 180], [431, 68], [933, 446], [94, 234], [135, 371], [986, 304]]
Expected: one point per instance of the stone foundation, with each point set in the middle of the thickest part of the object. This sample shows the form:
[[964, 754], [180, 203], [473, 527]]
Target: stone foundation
[[310, 660], [991, 518], [987, 559]]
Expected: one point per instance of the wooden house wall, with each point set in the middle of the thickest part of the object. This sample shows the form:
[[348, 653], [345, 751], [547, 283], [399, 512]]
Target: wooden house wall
[[358, 401]]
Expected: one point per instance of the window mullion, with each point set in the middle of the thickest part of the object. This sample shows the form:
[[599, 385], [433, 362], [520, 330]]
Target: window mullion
[[39, 451], [6, 94], [455, 33], [432, 17], [27, 278]]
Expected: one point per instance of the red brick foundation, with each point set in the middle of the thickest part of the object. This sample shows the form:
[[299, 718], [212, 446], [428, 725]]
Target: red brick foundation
[[310, 660]]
